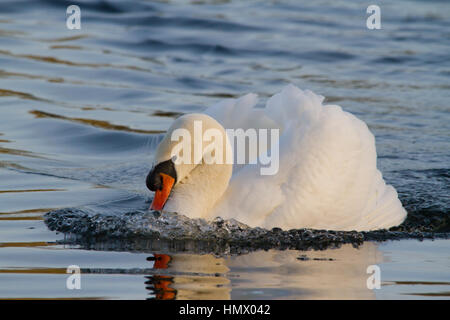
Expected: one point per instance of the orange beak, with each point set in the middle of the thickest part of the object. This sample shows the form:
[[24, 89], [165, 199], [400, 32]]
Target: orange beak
[[161, 195], [161, 261]]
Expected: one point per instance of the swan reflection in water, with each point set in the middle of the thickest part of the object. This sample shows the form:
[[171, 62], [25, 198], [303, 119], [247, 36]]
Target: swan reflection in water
[[159, 285], [330, 274], [188, 276]]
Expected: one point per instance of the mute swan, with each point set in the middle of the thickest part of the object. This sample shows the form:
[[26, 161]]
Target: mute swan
[[327, 176]]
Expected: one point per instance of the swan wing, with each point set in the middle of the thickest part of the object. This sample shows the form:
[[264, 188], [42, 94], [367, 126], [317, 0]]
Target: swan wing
[[327, 177]]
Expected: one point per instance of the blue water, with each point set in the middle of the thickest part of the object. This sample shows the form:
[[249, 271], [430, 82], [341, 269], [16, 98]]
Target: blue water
[[81, 110]]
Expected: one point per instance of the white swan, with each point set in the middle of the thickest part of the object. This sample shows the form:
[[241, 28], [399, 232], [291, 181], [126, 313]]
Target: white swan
[[327, 177]]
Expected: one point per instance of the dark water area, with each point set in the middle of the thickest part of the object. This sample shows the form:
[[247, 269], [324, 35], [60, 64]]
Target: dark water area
[[111, 225], [82, 111]]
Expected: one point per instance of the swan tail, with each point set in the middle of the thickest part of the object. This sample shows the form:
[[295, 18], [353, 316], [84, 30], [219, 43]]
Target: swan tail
[[388, 211]]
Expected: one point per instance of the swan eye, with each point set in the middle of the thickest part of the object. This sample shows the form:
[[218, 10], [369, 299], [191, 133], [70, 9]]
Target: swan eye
[[154, 180]]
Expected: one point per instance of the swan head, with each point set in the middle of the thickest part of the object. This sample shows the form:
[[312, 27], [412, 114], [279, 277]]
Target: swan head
[[161, 180], [182, 169]]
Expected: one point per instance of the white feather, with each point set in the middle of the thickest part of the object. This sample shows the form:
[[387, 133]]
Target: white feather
[[327, 176]]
